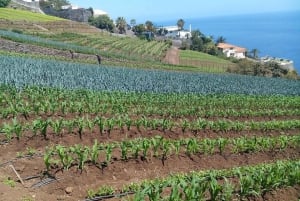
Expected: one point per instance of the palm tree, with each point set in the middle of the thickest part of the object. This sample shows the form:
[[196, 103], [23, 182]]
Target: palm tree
[[221, 39], [180, 24], [121, 24]]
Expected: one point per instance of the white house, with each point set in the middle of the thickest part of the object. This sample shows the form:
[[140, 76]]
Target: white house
[[232, 50], [174, 32]]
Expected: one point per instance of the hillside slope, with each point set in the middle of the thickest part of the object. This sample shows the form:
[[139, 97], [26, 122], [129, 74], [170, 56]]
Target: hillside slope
[[33, 23]]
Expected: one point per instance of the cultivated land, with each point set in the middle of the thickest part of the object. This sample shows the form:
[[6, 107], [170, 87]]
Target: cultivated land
[[74, 130]]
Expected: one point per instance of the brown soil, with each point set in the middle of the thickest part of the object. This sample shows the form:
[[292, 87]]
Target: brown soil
[[172, 56], [117, 173]]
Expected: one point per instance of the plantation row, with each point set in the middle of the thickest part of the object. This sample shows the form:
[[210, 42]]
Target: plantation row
[[20, 72], [29, 102], [123, 45], [228, 184], [107, 125], [148, 54], [29, 95], [101, 154]]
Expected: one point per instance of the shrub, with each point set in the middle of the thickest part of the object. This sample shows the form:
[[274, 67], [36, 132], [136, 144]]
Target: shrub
[[4, 3]]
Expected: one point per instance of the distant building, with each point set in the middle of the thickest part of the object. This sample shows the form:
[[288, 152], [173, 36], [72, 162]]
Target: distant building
[[232, 50], [174, 32]]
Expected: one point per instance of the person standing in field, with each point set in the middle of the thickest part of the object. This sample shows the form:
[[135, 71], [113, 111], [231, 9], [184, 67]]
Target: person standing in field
[[98, 59]]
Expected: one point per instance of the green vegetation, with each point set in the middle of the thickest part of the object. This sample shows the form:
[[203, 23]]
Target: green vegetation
[[22, 72], [4, 3], [195, 58], [18, 15], [239, 183]]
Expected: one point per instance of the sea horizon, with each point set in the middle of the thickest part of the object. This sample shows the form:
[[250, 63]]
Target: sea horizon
[[275, 34]]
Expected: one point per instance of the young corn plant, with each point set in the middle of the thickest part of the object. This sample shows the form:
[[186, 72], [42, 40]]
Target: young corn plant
[[124, 150], [145, 147], [57, 126], [95, 152], [156, 143], [108, 151], [8, 131], [214, 189], [227, 190], [222, 142], [82, 154], [184, 125], [100, 123], [166, 148]]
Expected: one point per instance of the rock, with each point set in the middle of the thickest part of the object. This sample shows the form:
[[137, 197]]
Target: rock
[[69, 190]]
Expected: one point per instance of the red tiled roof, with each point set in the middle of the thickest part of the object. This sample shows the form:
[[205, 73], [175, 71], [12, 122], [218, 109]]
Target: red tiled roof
[[229, 46]]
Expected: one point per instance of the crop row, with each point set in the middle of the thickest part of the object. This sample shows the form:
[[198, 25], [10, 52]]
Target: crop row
[[30, 95], [64, 108], [36, 101], [101, 154], [228, 184], [107, 125], [21, 72]]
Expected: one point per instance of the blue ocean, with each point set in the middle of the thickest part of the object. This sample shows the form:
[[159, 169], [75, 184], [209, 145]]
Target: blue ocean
[[273, 34]]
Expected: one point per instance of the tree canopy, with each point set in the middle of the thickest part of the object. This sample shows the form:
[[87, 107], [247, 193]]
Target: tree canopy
[[4, 3], [102, 22], [180, 24], [121, 24]]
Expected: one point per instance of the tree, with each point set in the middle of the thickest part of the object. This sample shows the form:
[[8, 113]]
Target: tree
[[56, 4], [92, 11], [149, 26], [221, 39], [121, 24], [197, 42], [132, 22], [180, 24], [254, 53], [4, 3], [102, 22], [139, 29]]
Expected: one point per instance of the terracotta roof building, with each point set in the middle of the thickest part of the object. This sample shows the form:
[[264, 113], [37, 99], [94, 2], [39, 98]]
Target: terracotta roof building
[[232, 50]]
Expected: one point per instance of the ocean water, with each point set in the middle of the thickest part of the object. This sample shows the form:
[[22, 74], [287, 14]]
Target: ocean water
[[273, 34]]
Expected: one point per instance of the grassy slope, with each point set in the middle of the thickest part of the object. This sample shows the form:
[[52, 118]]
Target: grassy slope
[[15, 15], [189, 54]]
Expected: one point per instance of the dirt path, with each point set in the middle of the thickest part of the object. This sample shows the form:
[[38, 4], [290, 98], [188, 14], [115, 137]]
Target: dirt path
[[172, 56]]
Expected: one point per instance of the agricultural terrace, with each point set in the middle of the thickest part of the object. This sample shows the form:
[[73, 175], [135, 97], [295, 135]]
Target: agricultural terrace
[[84, 53], [88, 132], [194, 58], [36, 23], [18, 15]]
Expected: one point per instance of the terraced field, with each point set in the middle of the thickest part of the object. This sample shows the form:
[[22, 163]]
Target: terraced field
[[36, 23], [126, 134]]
